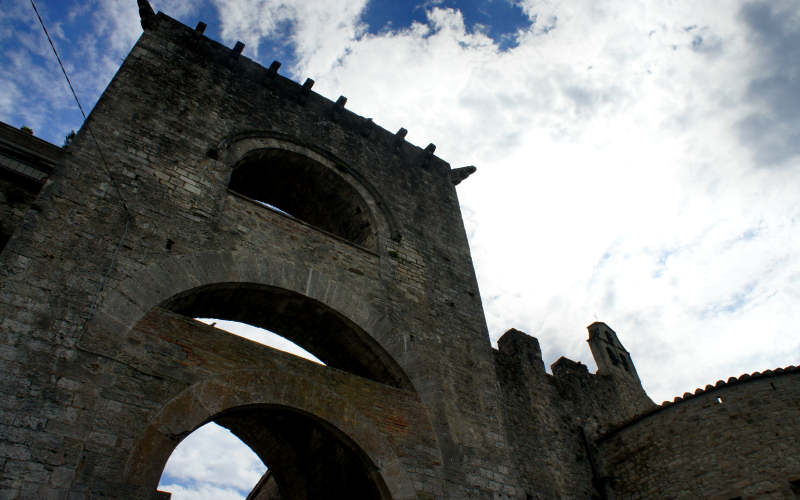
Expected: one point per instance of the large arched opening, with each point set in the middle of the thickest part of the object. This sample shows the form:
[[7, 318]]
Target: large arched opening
[[305, 189], [213, 462], [305, 421], [331, 337], [307, 457]]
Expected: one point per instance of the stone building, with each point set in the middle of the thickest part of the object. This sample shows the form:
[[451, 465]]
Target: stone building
[[205, 185]]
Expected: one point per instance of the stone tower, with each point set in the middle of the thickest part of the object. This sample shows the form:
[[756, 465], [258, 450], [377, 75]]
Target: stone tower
[[609, 354], [615, 362], [205, 185]]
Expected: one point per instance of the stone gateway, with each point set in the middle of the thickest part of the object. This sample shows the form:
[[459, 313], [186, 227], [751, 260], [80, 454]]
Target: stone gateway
[[205, 185]]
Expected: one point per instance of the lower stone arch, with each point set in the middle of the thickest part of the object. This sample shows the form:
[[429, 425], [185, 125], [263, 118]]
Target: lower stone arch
[[308, 457], [239, 399], [117, 328]]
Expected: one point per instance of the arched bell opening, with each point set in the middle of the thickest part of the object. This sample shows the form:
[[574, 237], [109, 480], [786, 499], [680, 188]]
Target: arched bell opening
[[331, 337], [307, 190]]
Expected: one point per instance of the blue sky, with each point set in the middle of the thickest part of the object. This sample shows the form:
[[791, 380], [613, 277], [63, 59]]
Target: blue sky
[[638, 162], [96, 31], [499, 19]]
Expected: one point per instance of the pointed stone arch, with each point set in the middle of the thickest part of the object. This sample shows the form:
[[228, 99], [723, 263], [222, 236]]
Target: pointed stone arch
[[251, 391]]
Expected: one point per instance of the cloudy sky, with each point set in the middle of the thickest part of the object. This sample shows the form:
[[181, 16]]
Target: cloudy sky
[[638, 161]]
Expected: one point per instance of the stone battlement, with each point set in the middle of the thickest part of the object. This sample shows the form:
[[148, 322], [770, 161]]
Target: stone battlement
[[200, 49]]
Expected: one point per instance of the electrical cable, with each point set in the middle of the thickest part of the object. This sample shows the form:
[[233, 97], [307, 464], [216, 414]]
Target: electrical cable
[[128, 216]]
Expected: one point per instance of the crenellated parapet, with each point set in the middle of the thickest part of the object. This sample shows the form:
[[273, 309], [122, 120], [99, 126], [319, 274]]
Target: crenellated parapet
[[523, 349], [615, 389], [552, 419], [203, 50], [577, 434]]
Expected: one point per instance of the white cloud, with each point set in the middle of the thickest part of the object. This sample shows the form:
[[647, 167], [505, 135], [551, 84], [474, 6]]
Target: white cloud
[[773, 129], [211, 461], [201, 492], [29, 93], [9, 96], [116, 22], [20, 14], [318, 30], [177, 9], [612, 183]]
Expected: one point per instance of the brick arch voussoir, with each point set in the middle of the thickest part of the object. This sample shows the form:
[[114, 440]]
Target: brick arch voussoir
[[201, 402], [140, 293]]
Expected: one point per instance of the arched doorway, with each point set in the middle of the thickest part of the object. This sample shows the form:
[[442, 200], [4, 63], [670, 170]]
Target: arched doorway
[[308, 457], [324, 431], [212, 462]]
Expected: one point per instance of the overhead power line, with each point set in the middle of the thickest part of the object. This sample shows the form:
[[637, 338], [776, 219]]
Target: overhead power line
[[105, 166]]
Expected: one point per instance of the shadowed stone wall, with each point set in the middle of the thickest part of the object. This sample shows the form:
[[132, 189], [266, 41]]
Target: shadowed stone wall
[[115, 239], [552, 420], [25, 164], [735, 440]]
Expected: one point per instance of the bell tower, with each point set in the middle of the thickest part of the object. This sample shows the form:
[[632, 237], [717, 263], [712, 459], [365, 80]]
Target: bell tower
[[610, 355], [615, 362]]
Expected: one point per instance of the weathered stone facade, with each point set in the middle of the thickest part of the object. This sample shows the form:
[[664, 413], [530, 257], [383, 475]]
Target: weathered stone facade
[[171, 203], [25, 164], [737, 439]]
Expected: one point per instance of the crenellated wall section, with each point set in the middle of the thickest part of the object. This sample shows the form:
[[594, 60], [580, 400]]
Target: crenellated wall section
[[552, 420], [575, 434]]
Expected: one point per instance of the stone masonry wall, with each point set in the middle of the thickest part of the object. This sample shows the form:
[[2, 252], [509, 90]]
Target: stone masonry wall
[[552, 420], [25, 163], [110, 241], [736, 440]]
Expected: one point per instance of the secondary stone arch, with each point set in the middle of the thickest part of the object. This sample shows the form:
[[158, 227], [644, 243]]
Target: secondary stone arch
[[349, 331], [335, 177], [309, 323], [245, 401]]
